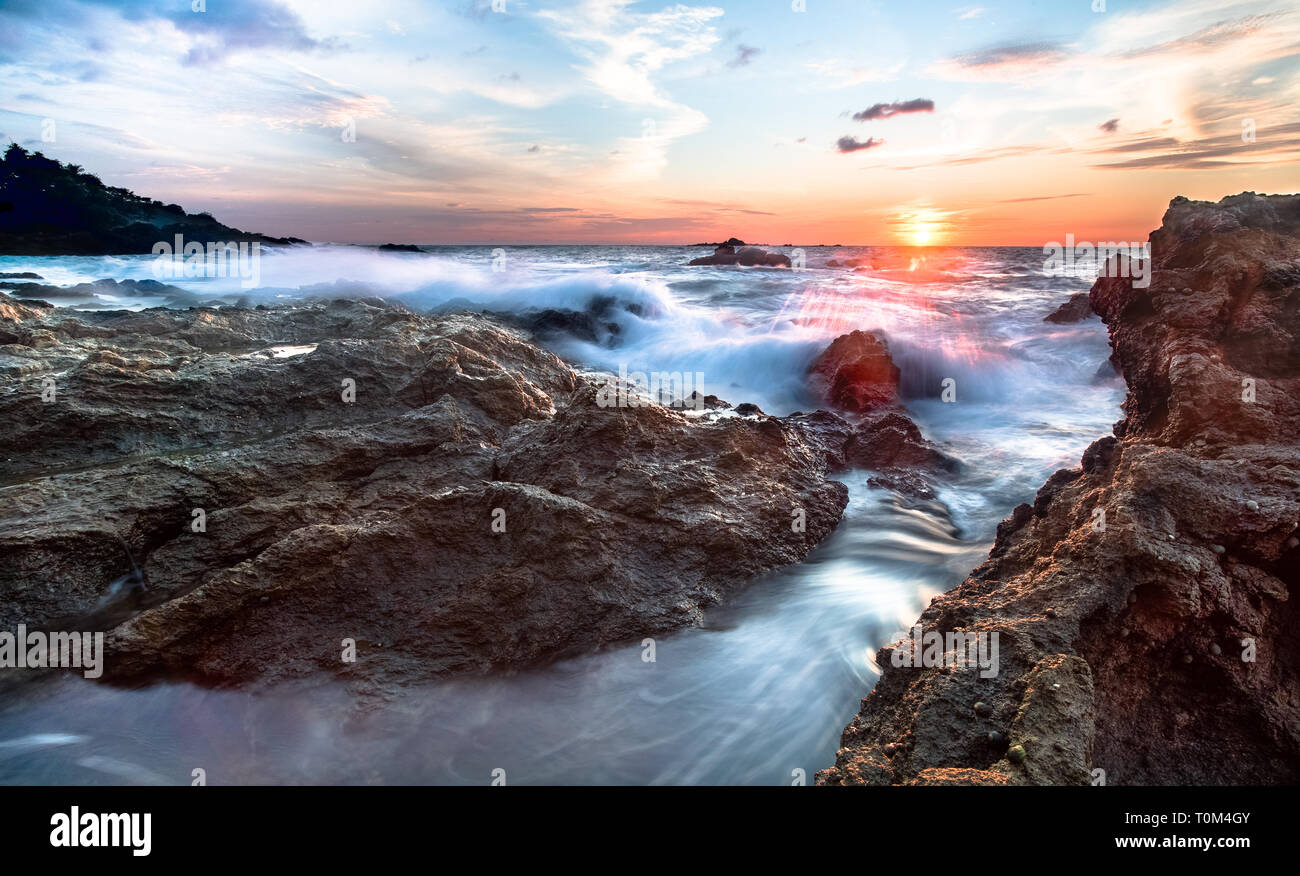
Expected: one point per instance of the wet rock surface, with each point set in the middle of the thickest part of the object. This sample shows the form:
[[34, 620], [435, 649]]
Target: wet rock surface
[[1156, 643], [857, 377], [472, 507], [745, 256], [856, 374], [1077, 309]]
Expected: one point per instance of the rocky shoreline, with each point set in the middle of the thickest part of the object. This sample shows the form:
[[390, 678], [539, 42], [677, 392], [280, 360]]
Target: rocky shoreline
[[1143, 601], [438, 490], [440, 495]]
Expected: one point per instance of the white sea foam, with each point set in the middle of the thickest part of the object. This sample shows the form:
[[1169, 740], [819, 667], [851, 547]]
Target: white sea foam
[[792, 654]]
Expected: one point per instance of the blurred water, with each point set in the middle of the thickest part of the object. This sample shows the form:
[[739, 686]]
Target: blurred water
[[766, 686]]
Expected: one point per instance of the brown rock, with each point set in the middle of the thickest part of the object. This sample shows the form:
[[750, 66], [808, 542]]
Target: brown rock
[[474, 508], [1077, 309], [1199, 464], [856, 373], [746, 256]]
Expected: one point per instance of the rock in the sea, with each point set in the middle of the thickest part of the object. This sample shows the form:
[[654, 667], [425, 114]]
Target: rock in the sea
[[730, 241], [80, 293], [291, 478], [1211, 354], [1078, 308], [746, 256], [855, 374]]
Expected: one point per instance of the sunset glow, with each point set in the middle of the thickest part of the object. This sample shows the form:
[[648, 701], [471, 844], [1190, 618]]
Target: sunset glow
[[619, 121]]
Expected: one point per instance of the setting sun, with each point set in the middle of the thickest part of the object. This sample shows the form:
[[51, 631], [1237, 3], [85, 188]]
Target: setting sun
[[921, 226]]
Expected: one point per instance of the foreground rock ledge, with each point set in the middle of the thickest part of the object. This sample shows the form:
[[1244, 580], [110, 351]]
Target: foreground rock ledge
[[371, 520], [1122, 649]]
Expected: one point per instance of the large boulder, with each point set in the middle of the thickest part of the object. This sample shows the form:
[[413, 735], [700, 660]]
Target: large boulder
[[439, 491], [855, 374]]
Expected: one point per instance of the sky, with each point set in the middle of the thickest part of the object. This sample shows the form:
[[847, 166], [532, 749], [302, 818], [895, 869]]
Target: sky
[[613, 121]]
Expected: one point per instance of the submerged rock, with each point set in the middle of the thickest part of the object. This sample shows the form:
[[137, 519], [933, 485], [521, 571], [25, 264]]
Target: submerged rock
[[1211, 354]]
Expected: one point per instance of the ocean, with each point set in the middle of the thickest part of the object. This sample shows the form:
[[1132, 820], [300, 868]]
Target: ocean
[[762, 691]]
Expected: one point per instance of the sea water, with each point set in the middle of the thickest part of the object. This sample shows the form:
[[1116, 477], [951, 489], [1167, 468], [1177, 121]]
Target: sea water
[[761, 692]]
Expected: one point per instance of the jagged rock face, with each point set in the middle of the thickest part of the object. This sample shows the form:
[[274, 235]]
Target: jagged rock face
[[1157, 643], [856, 373], [474, 507]]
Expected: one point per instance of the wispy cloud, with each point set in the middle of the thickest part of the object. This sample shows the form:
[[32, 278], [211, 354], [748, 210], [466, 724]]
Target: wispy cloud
[[1003, 59], [1276, 144], [744, 54], [623, 50], [845, 74], [1042, 198]]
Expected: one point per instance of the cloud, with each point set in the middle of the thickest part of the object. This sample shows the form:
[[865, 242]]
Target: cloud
[[886, 110], [1278, 144], [623, 48], [969, 12], [231, 26], [744, 54], [222, 29], [478, 10], [623, 51], [993, 154], [1033, 54], [848, 144], [1209, 38], [1109, 127], [843, 76], [1042, 198]]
